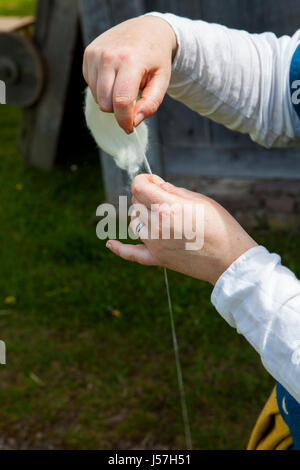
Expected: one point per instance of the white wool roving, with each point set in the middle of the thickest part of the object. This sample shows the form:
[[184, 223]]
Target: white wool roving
[[127, 150]]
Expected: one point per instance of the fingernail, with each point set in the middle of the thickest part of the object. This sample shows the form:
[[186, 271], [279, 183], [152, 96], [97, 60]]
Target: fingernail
[[138, 119], [108, 245]]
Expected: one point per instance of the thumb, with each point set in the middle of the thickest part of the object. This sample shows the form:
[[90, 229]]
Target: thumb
[[182, 192], [152, 96]]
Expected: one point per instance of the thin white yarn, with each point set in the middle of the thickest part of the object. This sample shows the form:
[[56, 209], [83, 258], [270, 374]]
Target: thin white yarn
[[129, 153], [127, 150]]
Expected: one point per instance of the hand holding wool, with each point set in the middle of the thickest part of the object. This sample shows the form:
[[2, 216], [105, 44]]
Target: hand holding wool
[[224, 239], [134, 55]]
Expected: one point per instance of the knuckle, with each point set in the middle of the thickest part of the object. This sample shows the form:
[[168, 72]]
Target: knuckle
[[124, 56], [122, 101], [90, 52], [153, 104], [107, 57], [105, 106]]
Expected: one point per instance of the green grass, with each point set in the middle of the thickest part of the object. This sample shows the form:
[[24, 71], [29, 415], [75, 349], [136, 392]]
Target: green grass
[[76, 376], [17, 7]]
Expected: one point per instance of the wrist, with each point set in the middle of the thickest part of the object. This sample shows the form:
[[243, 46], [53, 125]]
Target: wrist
[[231, 256], [168, 30]]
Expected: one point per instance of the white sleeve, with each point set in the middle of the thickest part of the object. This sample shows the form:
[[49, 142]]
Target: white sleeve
[[235, 78], [261, 299]]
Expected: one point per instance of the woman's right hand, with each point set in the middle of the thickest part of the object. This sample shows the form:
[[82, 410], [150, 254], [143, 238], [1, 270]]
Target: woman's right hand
[[134, 55], [215, 239]]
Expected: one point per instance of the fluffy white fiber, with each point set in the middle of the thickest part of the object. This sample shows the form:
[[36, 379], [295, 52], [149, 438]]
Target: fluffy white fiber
[[127, 150]]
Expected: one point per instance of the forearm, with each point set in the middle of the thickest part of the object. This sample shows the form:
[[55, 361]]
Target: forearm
[[261, 299], [238, 79]]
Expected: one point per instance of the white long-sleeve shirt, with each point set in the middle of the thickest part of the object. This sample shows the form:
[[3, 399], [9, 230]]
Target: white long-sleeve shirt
[[242, 81]]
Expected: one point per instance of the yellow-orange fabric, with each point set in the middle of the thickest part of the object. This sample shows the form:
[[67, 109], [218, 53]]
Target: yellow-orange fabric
[[270, 431]]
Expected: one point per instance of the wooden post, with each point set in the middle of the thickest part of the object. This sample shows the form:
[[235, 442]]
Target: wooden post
[[55, 35]]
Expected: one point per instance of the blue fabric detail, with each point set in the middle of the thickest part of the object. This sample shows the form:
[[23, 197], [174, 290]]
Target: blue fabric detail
[[295, 80], [290, 411], [289, 407]]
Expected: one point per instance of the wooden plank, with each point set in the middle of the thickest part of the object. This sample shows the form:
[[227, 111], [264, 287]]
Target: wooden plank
[[121, 11], [56, 37], [94, 18], [227, 162], [14, 23], [196, 146], [155, 148], [43, 13], [255, 16], [191, 9], [224, 138], [181, 126]]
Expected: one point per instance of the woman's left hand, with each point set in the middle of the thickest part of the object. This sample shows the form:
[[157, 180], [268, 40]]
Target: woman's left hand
[[182, 230]]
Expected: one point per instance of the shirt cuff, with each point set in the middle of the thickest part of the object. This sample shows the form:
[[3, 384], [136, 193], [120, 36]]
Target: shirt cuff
[[238, 280]]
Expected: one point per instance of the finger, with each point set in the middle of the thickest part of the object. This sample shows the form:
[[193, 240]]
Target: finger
[[150, 193], [181, 192], [152, 179], [126, 89], [92, 80], [105, 86], [85, 67], [136, 253], [151, 221], [152, 96], [135, 224], [141, 212], [152, 224]]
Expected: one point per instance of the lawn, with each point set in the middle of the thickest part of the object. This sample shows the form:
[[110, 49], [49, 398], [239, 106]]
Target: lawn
[[89, 351]]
